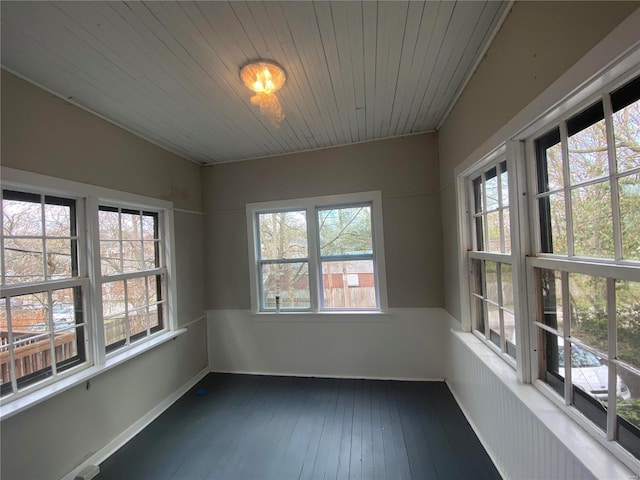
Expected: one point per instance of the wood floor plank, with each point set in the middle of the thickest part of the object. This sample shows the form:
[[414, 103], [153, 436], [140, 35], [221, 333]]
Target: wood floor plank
[[246, 427]]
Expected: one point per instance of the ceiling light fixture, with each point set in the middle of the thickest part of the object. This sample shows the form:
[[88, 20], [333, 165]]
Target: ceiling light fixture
[[265, 78]]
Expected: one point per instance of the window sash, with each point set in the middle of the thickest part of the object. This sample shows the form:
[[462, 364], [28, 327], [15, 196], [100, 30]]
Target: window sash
[[159, 272], [43, 363]]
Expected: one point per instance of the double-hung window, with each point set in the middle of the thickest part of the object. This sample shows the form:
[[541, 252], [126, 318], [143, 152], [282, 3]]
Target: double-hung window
[[132, 275], [491, 286], [587, 262], [317, 254], [84, 277], [42, 321]]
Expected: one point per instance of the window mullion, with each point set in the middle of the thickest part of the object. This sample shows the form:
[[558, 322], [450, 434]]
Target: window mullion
[[566, 324], [127, 326], [52, 336], [43, 237], [485, 310], [2, 268], [485, 225], [500, 209], [613, 178], [12, 356], [315, 265], [96, 321], [612, 355], [567, 192], [503, 342]]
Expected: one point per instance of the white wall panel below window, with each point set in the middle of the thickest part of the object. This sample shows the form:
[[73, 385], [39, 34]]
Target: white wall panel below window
[[525, 434]]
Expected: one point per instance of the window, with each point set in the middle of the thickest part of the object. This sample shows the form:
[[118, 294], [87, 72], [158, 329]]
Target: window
[[317, 254], [561, 204], [491, 284], [83, 279], [587, 271], [132, 275], [42, 326]]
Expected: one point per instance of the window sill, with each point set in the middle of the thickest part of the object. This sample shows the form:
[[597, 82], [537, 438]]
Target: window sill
[[20, 404], [337, 316], [567, 429]]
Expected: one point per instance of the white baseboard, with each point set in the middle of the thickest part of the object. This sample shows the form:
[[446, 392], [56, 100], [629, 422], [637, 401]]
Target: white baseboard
[[110, 448], [350, 377]]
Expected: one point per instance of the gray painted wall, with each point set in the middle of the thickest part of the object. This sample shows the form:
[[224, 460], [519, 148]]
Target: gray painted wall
[[43, 134], [537, 43], [405, 169]]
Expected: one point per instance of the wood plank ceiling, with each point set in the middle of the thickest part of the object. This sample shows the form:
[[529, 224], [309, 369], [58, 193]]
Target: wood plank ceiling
[[168, 71]]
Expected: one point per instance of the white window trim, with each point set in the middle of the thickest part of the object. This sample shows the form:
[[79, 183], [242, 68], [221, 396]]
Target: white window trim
[[310, 204], [88, 198], [533, 121]]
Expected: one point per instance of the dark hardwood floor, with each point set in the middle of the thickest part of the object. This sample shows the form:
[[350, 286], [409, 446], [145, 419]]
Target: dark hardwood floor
[[259, 427]]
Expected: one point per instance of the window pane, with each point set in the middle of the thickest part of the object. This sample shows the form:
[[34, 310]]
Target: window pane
[[345, 231], [589, 372], [114, 330], [628, 410], [21, 218], [491, 186], [626, 128], [289, 281], [283, 235], [630, 215], [551, 296], [628, 322], [554, 167], [59, 260], [113, 298], [491, 276], [57, 220], [493, 313], [155, 315], [150, 252], [349, 284], [507, 286], [478, 315], [132, 256], [152, 288], [504, 179], [477, 195], [110, 259], [131, 226], [553, 224], [137, 321], [588, 157], [493, 222], [29, 313], [63, 309], [149, 227], [592, 221], [66, 343], [32, 354], [477, 285], [554, 356], [136, 292], [479, 234], [588, 296], [509, 326], [506, 222], [23, 260], [109, 224]]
